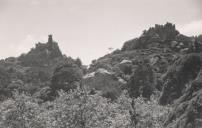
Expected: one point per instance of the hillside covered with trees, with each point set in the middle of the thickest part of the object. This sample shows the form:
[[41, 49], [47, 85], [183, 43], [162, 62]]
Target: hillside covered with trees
[[153, 81]]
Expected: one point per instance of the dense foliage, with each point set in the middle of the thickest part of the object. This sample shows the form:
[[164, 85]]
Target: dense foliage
[[118, 90], [178, 75], [77, 109], [142, 81], [66, 76]]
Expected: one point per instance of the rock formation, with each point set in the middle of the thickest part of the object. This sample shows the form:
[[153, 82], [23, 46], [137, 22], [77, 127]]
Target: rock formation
[[42, 54], [179, 76], [104, 81], [187, 112]]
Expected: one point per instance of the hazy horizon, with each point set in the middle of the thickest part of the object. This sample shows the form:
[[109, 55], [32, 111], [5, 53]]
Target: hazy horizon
[[87, 28]]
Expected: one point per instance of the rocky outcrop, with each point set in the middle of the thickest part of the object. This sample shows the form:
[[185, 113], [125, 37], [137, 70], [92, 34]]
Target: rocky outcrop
[[104, 81], [183, 71], [158, 36], [165, 32], [126, 66], [187, 112], [42, 55]]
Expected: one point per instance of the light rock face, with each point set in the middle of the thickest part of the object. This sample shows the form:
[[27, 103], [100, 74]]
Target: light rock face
[[89, 75], [100, 70], [122, 80], [126, 61], [173, 44], [126, 67], [103, 71]]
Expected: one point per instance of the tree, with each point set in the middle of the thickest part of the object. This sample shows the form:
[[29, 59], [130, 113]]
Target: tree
[[78, 109], [67, 76], [4, 82], [78, 62], [141, 82]]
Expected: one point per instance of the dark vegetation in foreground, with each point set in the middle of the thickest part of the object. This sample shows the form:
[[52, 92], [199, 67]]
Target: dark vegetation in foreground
[[154, 81]]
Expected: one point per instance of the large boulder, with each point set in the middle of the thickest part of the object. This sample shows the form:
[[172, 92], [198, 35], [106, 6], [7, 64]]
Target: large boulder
[[175, 81], [126, 66], [187, 112], [104, 81]]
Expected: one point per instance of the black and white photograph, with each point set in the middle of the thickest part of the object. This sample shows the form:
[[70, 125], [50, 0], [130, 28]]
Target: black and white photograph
[[100, 63]]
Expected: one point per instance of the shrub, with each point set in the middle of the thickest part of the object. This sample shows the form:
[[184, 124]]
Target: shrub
[[79, 110], [149, 113], [20, 112]]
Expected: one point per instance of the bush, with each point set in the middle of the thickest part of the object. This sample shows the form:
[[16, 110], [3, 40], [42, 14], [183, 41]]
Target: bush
[[20, 112], [149, 113]]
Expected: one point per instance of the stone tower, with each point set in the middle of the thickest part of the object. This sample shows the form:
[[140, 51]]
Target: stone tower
[[50, 38]]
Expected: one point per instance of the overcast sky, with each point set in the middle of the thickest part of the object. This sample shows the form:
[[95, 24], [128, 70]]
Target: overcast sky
[[87, 28]]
